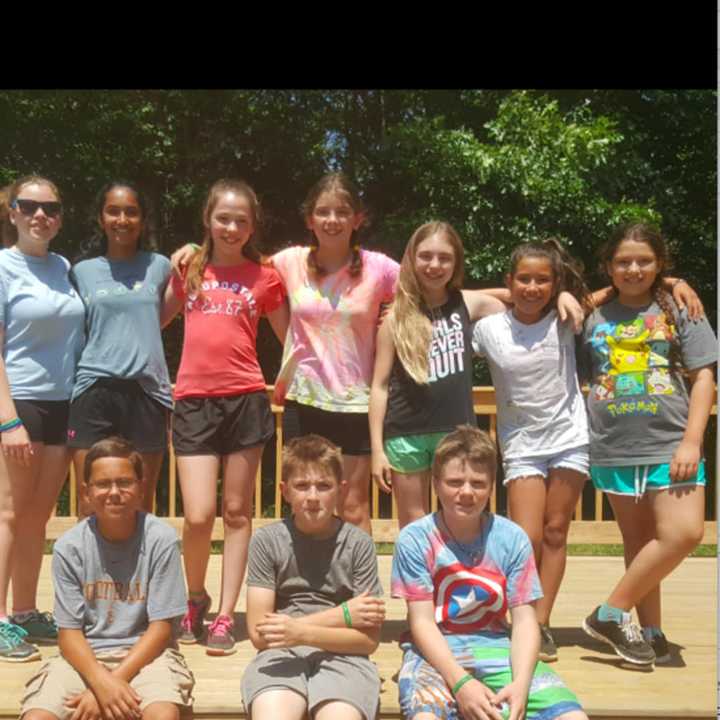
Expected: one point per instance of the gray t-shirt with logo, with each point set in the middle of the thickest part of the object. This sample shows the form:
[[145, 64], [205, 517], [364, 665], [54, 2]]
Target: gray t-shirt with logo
[[309, 575], [123, 299], [638, 400], [112, 591]]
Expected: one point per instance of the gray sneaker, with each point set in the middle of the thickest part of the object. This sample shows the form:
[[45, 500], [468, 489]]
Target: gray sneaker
[[220, 639], [192, 626], [40, 627], [625, 638], [548, 649], [13, 647]]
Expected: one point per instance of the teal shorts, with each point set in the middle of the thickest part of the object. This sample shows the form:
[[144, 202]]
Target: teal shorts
[[412, 453], [635, 480]]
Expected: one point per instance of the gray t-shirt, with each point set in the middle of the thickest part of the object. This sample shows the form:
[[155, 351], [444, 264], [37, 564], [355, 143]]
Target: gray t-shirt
[[638, 402], [309, 575], [123, 299], [43, 320], [112, 591]]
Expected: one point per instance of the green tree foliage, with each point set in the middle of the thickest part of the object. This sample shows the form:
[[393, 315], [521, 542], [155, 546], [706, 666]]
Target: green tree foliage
[[503, 166]]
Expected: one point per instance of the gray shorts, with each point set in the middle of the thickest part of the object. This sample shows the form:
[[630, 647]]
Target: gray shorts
[[317, 675], [166, 679]]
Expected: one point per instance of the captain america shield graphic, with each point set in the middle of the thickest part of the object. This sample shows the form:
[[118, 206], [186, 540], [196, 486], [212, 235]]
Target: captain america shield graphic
[[469, 600]]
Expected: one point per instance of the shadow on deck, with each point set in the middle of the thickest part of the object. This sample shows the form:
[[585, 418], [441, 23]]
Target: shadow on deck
[[684, 689]]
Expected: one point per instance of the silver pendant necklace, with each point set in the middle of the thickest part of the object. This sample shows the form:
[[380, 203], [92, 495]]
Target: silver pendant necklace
[[474, 553]]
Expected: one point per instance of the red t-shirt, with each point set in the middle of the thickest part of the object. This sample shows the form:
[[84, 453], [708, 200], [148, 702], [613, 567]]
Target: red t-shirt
[[219, 355]]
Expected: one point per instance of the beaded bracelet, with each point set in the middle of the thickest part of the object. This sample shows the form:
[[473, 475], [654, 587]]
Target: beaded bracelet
[[11, 424], [346, 614], [464, 679]]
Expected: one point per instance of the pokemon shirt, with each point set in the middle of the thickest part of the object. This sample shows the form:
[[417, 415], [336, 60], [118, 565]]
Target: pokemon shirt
[[638, 403], [471, 586]]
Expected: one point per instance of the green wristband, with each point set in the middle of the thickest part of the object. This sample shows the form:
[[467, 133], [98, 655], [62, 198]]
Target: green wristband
[[194, 246], [346, 614], [464, 679], [11, 424]]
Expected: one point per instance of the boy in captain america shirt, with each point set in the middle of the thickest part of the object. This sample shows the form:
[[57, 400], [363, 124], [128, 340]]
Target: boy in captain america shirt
[[460, 570]]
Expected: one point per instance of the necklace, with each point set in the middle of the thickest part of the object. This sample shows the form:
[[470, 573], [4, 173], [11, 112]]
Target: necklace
[[473, 553]]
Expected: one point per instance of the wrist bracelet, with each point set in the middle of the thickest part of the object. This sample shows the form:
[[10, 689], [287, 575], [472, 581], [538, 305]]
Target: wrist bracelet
[[675, 282], [11, 424], [464, 679], [346, 614], [194, 246]]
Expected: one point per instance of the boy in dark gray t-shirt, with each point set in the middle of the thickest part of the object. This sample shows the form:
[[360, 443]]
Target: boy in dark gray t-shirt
[[118, 590], [313, 605]]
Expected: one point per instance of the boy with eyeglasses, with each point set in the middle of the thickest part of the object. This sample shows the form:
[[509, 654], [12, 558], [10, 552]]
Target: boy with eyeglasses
[[119, 591]]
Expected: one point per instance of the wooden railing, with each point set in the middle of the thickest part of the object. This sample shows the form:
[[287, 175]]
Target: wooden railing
[[592, 522]]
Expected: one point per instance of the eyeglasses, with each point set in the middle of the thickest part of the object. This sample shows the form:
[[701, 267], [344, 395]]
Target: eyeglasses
[[51, 208], [123, 485]]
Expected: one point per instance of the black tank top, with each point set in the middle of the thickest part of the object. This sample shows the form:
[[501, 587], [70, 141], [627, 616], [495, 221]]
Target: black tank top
[[447, 400]]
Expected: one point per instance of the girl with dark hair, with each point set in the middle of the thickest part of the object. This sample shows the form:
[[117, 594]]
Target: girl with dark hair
[[542, 425], [122, 386], [651, 393]]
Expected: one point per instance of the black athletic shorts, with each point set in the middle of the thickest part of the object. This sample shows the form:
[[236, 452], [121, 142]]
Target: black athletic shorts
[[221, 425], [349, 431], [45, 420], [115, 406]]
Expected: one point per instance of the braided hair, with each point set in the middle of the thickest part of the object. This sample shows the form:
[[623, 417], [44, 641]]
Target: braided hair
[[340, 184]]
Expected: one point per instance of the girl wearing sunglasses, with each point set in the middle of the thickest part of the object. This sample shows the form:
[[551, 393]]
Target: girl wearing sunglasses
[[122, 386], [41, 334]]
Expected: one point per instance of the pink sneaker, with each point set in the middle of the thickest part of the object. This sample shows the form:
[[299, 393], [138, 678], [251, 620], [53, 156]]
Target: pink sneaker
[[220, 639], [192, 626]]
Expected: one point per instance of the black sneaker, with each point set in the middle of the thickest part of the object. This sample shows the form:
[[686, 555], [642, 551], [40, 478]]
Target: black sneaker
[[659, 645], [548, 649], [626, 638], [192, 626]]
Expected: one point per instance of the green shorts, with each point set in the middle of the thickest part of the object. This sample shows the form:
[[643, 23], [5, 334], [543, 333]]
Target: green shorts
[[635, 480], [412, 453]]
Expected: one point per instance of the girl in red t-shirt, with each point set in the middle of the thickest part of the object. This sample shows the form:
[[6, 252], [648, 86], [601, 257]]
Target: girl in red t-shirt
[[222, 412]]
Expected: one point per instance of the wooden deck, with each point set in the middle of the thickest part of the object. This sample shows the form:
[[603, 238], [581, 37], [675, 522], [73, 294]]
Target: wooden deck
[[684, 690]]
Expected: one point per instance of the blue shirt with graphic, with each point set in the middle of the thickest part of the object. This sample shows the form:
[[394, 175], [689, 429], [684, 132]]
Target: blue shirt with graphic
[[471, 586]]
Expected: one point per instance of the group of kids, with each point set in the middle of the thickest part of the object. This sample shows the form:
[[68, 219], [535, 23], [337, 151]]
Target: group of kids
[[376, 380]]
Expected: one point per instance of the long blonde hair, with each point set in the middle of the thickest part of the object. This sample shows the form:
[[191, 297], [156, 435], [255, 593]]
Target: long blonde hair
[[409, 324]]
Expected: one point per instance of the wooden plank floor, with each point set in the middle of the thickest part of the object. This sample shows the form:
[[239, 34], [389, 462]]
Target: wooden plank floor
[[686, 689]]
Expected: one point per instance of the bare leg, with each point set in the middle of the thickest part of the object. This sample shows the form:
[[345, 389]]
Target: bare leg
[[34, 504], [354, 503], [637, 525], [337, 710], [412, 494], [198, 482], [679, 528], [37, 714], [161, 711], [563, 490], [238, 486], [273, 704], [526, 507], [78, 460], [152, 462]]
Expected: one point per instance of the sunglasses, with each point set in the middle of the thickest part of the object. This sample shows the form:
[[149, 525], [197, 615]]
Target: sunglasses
[[51, 208]]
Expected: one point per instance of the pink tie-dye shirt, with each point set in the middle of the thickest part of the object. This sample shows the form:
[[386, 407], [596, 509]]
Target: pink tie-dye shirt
[[471, 586], [330, 347]]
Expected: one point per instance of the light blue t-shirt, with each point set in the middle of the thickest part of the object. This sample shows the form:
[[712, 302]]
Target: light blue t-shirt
[[42, 317], [123, 300]]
